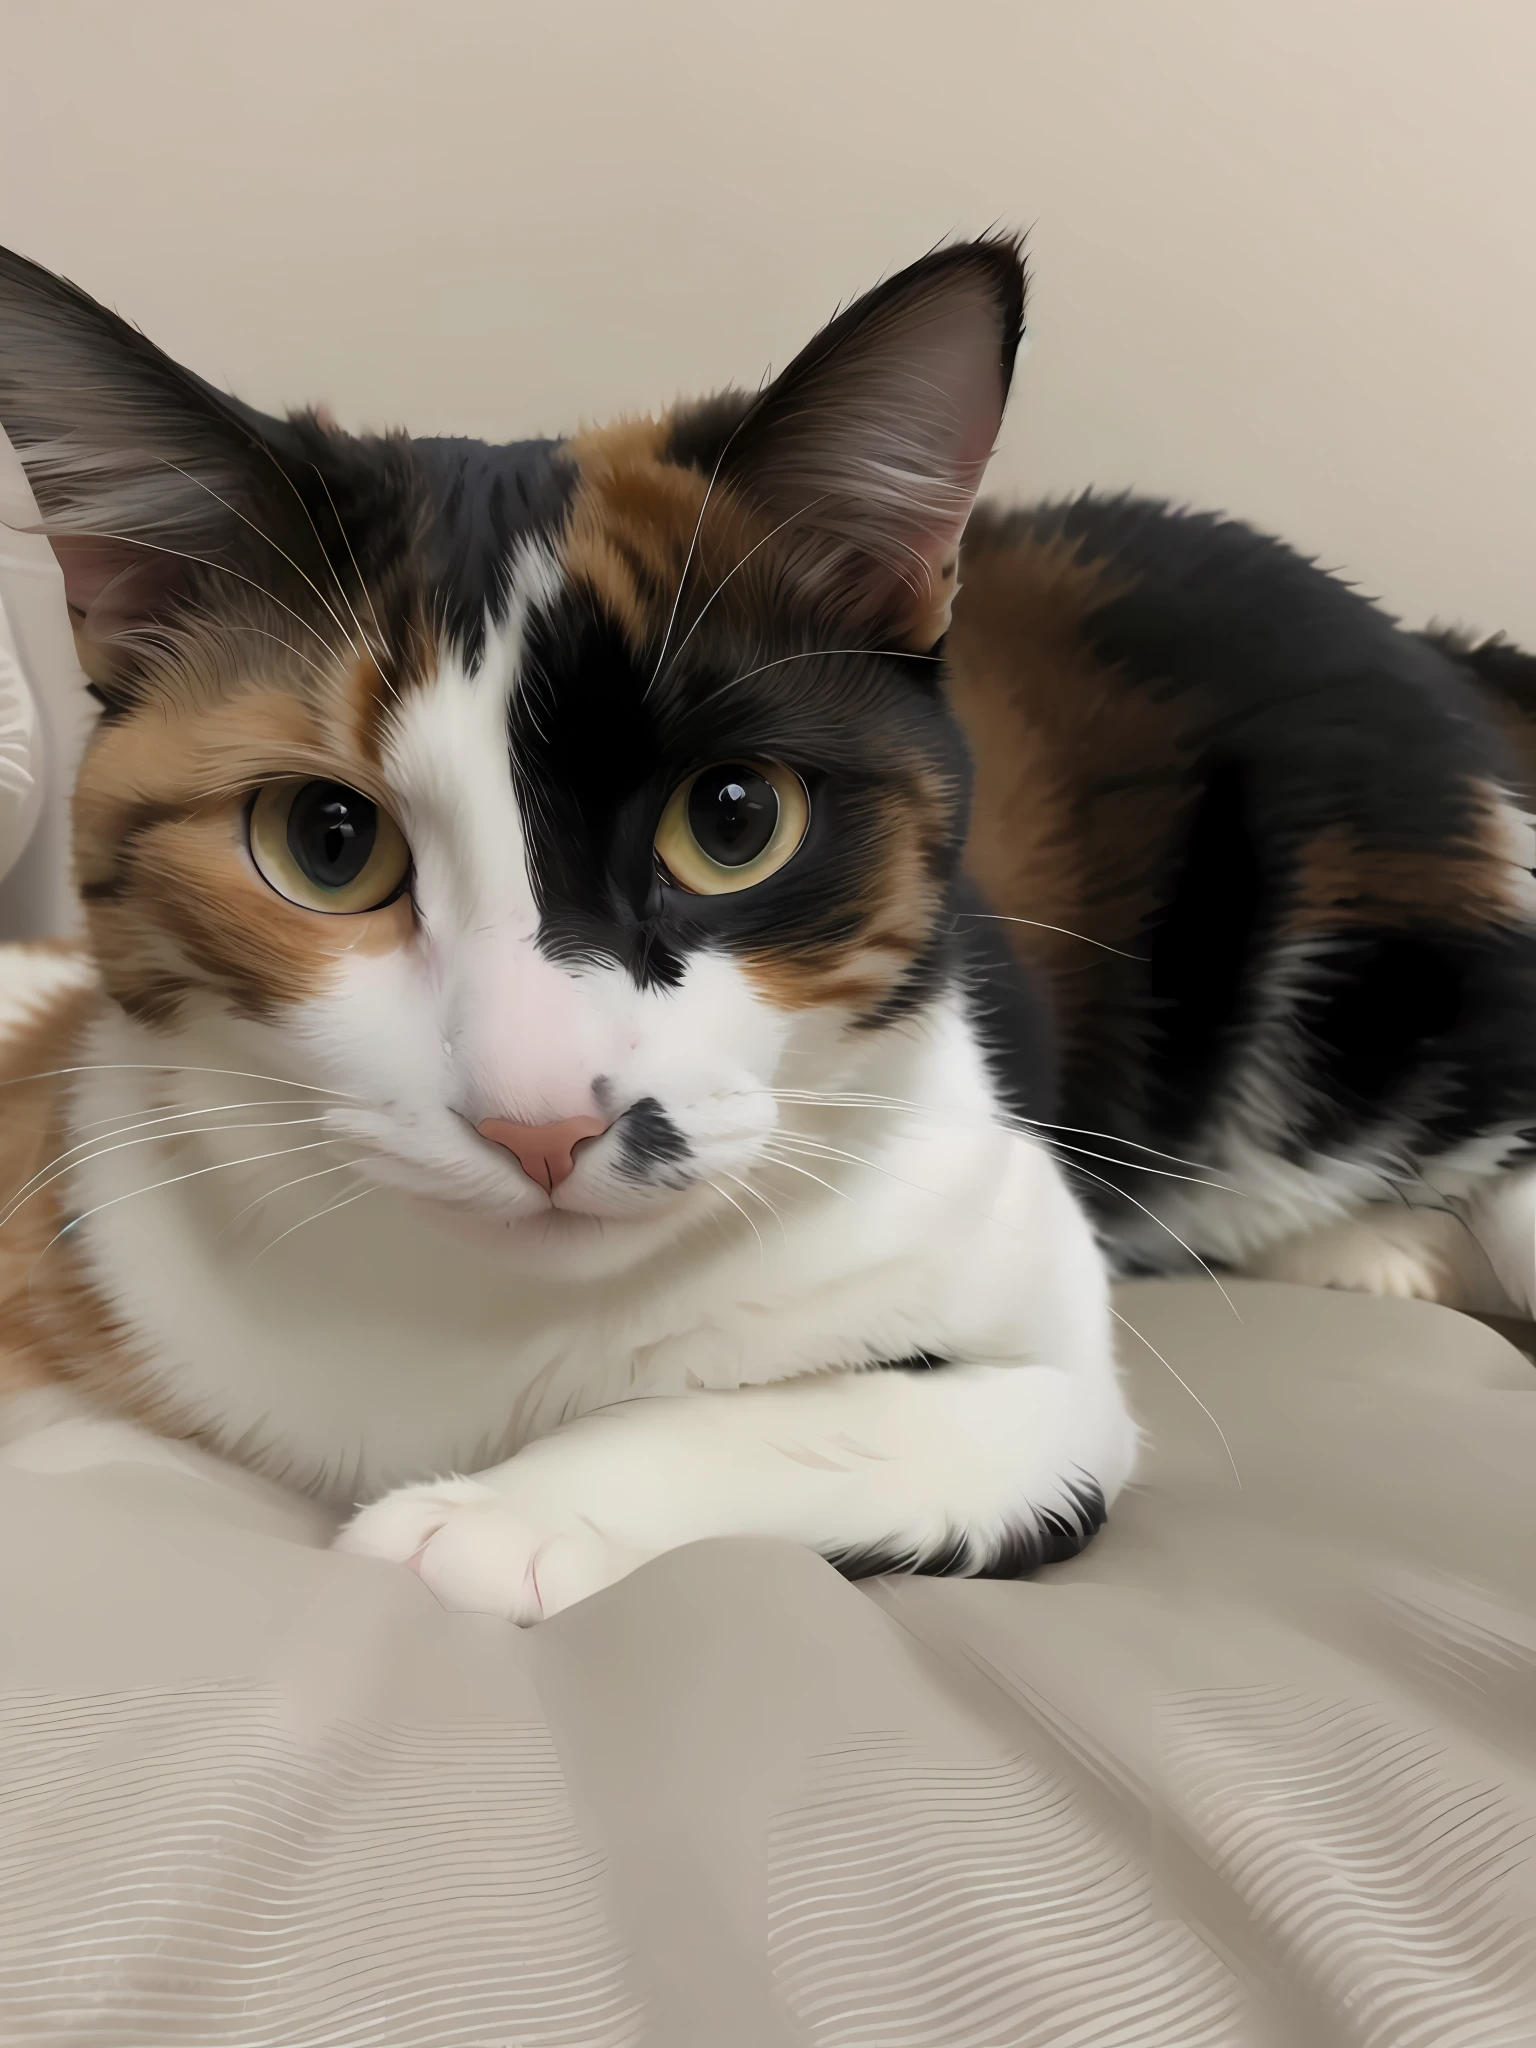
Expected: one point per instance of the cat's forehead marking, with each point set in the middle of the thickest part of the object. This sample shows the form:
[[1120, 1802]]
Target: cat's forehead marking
[[447, 762], [614, 709], [485, 504]]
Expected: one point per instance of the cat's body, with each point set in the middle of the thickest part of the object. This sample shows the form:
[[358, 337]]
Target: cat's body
[[469, 1137], [1276, 854]]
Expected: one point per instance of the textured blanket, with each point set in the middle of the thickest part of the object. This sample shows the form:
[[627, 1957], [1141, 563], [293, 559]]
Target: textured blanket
[[1259, 1767]]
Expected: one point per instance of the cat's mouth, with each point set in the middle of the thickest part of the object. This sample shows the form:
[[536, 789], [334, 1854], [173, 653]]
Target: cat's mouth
[[535, 1232], [584, 1172], [563, 1233]]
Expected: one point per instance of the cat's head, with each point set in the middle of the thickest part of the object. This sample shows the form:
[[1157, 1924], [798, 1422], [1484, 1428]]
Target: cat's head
[[554, 803]]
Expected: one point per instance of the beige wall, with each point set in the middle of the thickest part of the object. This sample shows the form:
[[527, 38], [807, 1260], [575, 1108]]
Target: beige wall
[[1284, 251]]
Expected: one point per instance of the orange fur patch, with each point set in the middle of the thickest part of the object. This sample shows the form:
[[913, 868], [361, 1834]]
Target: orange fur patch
[[172, 896], [638, 521], [1341, 883], [1080, 780], [55, 1326], [883, 932]]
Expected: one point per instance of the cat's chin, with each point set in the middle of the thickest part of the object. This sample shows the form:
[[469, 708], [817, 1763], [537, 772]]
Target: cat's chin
[[558, 1241]]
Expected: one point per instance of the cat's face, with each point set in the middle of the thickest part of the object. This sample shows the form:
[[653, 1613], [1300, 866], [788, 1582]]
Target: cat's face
[[555, 806]]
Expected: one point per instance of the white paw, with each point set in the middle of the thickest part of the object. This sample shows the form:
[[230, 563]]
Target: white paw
[[1420, 1255], [479, 1557], [1504, 1221]]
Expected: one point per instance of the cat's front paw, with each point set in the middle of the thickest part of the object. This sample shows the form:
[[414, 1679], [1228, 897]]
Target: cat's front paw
[[479, 1557]]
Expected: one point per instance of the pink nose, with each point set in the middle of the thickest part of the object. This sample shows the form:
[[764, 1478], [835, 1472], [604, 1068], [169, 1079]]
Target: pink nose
[[545, 1152]]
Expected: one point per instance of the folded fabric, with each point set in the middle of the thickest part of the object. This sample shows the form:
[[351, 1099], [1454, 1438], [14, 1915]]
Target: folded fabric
[[1260, 1766]]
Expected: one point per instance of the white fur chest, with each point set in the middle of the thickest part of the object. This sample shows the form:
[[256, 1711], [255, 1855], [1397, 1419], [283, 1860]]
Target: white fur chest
[[348, 1351]]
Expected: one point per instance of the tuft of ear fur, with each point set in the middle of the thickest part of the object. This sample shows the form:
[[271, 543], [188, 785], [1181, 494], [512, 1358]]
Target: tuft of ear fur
[[867, 452], [151, 484]]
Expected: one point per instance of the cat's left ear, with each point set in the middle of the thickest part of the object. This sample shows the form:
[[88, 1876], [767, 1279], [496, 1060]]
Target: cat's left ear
[[868, 450]]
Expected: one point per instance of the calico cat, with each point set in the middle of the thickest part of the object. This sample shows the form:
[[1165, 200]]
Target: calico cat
[[574, 1058]]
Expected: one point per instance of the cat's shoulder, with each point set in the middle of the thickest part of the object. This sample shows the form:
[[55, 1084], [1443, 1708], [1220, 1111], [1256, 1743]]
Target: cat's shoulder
[[1163, 585], [1198, 635]]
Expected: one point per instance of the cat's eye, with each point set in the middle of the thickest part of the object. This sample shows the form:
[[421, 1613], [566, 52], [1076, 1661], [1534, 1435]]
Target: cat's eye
[[732, 826], [327, 847]]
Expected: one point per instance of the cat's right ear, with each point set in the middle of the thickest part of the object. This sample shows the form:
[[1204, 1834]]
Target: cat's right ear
[[867, 452], [145, 477]]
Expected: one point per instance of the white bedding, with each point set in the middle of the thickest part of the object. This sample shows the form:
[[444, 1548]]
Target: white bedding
[[1259, 1767]]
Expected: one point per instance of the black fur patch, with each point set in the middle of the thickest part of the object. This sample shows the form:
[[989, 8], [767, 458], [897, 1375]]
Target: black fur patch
[[649, 1139], [1507, 670], [1010, 1008], [485, 500], [587, 755], [1428, 1026], [1202, 952], [597, 747], [701, 431], [1303, 710], [1337, 712], [1051, 1537], [1389, 997]]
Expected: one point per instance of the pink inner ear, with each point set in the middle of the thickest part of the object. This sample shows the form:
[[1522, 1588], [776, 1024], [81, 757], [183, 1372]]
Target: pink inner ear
[[952, 377], [869, 455], [112, 584]]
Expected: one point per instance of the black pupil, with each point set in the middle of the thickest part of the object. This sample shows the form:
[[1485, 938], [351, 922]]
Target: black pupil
[[331, 830], [732, 813]]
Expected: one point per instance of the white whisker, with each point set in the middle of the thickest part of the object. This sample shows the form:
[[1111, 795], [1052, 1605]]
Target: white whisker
[[325, 553], [995, 917], [236, 626], [356, 570], [758, 1196], [154, 1188], [1023, 1127], [1208, 1271], [699, 616], [1135, 1166], [283, 1187], [1005, 1120], [175, 1067], [305, 1221], [276, 546], [1184, 1383], [720, 1191], [790, 1167], [810, 1097], [160, 1138], [123, 1128], [134, 540], [807, 654], [698, 528], [817, 1148]]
